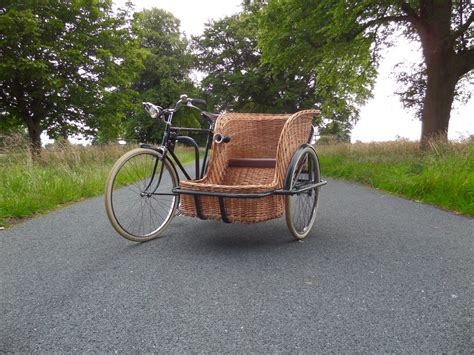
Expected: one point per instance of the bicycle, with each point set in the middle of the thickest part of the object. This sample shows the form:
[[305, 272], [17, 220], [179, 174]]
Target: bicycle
[[243, 181]]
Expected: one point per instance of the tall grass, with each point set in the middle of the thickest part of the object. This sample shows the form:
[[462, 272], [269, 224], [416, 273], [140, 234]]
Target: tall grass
[[442, 175], [62, 174]]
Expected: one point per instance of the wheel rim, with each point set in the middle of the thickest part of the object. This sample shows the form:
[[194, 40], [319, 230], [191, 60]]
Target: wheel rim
[[138, 197], [304, 204]]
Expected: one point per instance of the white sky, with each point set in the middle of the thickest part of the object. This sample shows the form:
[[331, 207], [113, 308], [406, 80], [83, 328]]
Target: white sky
[[381, 119], [193, 14]]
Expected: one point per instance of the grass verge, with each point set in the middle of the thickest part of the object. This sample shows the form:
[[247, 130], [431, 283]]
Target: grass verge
[[63, 174], [442, 176]]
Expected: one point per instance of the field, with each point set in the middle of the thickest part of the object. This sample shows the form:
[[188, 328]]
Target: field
[[442, 176], [63, 174]]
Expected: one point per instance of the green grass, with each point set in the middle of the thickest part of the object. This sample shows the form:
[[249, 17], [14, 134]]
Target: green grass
[[62, 175], [442, 176]]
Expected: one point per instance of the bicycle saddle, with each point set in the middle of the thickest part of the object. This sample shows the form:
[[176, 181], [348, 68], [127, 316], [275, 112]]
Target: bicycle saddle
[[211, 117]]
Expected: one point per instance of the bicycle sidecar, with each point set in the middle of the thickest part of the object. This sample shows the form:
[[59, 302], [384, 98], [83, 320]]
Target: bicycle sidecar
[[261, 167]]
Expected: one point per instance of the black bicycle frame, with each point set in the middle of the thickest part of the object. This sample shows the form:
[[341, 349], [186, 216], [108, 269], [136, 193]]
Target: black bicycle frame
[[170, 138]]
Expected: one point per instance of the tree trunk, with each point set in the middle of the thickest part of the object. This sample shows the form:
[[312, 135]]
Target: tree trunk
[[34, 132], [441, 85], [441, 69]]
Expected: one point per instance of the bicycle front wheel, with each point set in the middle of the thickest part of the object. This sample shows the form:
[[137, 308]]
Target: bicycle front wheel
[[138, 196]]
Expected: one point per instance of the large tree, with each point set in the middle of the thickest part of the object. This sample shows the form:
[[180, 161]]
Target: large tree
[[61, 62], [337, 36]]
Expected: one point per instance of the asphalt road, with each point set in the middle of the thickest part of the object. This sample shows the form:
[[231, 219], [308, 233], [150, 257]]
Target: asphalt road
[[377, 274]]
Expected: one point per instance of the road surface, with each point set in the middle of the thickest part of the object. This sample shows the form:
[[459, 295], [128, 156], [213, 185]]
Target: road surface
[[377, 274]]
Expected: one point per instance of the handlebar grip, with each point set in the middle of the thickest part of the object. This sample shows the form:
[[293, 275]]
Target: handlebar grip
[[198, 102]]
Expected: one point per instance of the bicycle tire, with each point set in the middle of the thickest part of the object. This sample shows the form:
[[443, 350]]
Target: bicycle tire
[[131, 195]]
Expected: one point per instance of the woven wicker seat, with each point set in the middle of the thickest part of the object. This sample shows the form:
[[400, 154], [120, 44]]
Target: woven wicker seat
[[255, 160]]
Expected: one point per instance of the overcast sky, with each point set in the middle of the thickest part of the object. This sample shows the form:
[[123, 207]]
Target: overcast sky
[[382, 118]]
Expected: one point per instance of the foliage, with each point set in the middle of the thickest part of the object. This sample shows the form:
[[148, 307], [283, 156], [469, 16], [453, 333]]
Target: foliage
[[235, 77], [167, 66], [443, 176], [412, 82], [62, 61], [341, 40], [289, 33]]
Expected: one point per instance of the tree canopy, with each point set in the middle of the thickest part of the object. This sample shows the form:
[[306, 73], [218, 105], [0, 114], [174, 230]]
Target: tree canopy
[[61, 61], [342, 41], [235, 77], [167, 65]]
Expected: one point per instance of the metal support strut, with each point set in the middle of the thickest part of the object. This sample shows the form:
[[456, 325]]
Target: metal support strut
[[222, 208], [197, 202]]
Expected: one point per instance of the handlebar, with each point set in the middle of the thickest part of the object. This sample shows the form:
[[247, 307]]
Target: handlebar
[[158, 112]]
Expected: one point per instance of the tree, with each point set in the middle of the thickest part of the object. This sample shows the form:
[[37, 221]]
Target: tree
[[342, 40], [61, 61], [167, 65], [236, 78]]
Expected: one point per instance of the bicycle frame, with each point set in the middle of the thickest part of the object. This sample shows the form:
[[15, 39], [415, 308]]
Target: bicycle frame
[[171, 136]]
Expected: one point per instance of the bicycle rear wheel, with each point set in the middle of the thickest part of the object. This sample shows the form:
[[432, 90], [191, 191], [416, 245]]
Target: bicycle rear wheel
[[138, 197]]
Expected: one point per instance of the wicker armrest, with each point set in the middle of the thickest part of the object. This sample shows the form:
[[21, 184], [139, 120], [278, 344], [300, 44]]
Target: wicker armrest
[[296, 132]]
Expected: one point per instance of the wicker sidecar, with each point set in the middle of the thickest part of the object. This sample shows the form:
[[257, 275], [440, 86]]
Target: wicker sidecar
[[262, 166], [266, 167]]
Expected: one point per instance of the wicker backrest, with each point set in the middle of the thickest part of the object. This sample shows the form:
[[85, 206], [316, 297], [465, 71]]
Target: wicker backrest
[[254, 135]]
